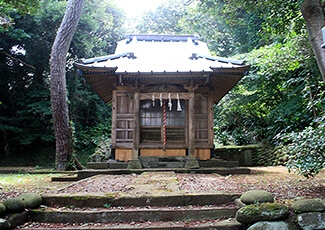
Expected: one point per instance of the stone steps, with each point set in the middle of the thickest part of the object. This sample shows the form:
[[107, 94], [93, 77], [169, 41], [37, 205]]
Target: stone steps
[[190, 210], [100, 200], [149, 197], [170, 212], [228, 224], [151, 162], [82, 174], [131, 215]]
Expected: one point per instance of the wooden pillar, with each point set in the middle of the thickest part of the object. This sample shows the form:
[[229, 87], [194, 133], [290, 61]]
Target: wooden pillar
[[136, 125], [191, 162], [210, 119], [191, 126], [135, 162], [113, 135]]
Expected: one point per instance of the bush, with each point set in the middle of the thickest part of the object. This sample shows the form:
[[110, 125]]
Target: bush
[[305, 149]]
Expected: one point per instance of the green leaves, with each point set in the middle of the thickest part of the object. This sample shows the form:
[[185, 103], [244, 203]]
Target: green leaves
[[305, 149], [19, 6], [25, 110], [274, 98]]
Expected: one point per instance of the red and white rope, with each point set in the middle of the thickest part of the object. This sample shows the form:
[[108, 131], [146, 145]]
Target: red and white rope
[[164, 123]]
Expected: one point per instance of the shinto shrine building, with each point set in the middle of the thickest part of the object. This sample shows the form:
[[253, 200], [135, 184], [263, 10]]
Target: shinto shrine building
[[162, 89]]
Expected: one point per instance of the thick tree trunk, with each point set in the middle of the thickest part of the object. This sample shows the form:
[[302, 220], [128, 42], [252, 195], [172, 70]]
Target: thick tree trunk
[[59, 104], [314, 15]]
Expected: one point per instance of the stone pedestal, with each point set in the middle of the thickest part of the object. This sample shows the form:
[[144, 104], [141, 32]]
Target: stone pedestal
[[192, 163], [134, 164]]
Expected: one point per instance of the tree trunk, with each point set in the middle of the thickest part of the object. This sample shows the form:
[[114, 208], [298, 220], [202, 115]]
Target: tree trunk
[[59, 104], [314, 15]]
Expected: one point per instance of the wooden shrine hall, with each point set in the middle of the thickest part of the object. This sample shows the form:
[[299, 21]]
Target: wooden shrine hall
[[162, 89]]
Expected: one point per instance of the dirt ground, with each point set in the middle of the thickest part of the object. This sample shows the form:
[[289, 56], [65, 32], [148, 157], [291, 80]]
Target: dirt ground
[[286, 187]]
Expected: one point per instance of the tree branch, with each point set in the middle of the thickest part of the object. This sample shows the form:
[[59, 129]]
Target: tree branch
[[16, 59]]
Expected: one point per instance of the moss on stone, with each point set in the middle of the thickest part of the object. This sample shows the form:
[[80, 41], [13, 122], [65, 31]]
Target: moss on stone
[[80, 197], [14, 205], [4, 224], [2, 209], [31, 200], [308, 205], [256, 196], [262, 212]]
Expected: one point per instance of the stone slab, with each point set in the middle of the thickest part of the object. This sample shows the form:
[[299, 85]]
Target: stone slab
[[117, 165], [216, 163], [82, 174], [107, 216], [228, 224], [97, 165], [163, 161], [155, 184], [100, 199]]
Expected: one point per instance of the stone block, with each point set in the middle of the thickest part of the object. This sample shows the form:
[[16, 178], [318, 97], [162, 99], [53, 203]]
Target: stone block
[[311, 220], [257, 196], [117, 165], [270, 225], [251, 214], [17, 219], [31, 200], [2, 209], [192, 163], [97, 165], [134, 164], [308, 205], [4, 224], [14, 205]]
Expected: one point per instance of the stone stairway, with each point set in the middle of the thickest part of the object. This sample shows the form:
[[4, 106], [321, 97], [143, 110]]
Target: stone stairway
[[151, 162], [163, 162], [150, 197]]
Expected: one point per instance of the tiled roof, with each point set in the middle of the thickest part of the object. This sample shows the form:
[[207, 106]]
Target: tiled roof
[[158, 54]]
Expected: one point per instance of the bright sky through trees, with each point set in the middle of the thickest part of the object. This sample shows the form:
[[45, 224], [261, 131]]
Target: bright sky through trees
[[133, 8]]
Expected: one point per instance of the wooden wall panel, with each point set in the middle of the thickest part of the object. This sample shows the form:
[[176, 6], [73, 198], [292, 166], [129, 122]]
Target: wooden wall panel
[[123, 119], [202, 154], [161, 152], [123, 154], [202, 120]]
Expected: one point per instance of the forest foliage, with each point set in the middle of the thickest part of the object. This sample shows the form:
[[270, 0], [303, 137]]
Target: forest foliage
[[279, 103], [25, 112]]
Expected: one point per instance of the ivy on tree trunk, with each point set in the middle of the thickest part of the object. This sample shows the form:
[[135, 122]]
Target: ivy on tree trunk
[[63, 135]]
